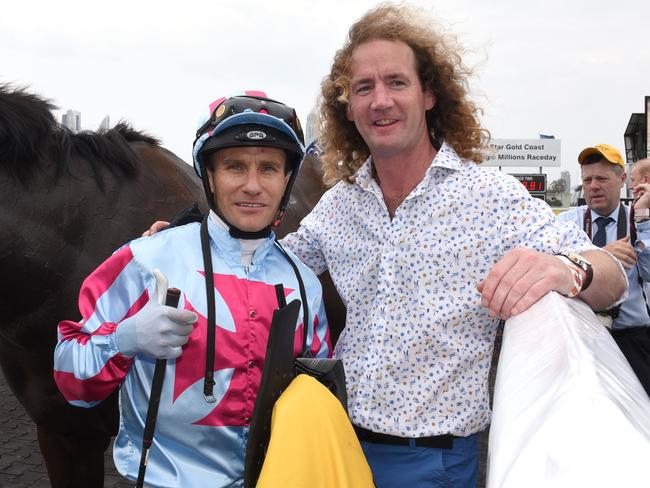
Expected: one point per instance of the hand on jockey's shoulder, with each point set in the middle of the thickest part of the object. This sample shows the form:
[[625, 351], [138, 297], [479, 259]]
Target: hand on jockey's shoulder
[[520, 279], [623, 251], [157, 226], [156, 330]]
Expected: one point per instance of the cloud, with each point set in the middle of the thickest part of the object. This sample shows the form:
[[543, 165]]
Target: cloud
[[574, 69]]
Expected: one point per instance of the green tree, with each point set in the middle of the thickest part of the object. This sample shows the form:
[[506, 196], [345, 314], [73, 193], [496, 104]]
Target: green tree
[[557, 186]]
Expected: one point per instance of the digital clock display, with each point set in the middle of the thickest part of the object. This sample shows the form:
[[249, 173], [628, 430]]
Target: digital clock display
[[534, 183]]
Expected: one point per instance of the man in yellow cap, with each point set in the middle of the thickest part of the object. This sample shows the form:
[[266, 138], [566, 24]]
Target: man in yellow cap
[[625, 232]]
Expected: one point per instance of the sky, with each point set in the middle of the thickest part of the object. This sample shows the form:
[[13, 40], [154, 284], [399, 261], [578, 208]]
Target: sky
[[576, 69]]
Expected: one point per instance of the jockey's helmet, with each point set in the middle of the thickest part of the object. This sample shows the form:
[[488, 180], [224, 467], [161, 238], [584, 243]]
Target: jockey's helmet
[[249, 119]]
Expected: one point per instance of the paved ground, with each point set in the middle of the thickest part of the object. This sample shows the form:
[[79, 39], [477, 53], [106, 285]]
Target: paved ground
[[21, 463]]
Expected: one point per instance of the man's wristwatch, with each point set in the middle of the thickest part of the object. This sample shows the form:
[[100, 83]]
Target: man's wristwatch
[[574, 261]]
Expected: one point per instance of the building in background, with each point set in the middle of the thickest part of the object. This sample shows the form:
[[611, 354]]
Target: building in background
[[72, 120], [647, 126], [105, 124], [312, 130], [637, 137], [566, 176]]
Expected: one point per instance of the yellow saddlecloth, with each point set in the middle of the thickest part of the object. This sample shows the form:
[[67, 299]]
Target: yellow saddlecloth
[[313, 444]]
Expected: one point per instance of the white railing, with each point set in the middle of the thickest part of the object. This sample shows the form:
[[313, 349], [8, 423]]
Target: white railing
[[568, 410]]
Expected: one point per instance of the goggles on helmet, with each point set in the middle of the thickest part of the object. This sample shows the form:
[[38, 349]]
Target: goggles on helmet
[[226, 107], [248, 112]]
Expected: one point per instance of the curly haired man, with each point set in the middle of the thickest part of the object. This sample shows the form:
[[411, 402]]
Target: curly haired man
[[427, 248]]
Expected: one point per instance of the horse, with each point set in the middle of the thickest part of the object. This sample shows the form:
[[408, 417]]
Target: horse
[[67, 201], [306, 193]]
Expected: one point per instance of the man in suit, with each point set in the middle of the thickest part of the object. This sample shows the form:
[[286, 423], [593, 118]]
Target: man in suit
[[624, 231]]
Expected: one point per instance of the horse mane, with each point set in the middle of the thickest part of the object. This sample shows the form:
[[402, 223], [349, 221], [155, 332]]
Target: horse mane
[[30, 138]]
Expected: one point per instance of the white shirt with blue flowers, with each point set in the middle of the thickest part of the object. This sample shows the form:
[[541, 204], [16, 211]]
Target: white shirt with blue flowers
[[417, 345]]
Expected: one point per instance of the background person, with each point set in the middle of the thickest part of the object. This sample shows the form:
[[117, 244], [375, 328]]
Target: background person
[[610, 225], [640, 173], [639, 176]]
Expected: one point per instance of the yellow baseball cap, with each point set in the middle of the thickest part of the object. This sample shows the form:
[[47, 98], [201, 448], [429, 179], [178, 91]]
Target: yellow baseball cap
[[610, 153]]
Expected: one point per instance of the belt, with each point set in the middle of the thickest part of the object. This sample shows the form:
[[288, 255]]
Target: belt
[[445, 441]]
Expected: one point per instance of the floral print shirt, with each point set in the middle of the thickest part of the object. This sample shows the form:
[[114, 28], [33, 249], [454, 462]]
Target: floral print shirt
[[417, 344]]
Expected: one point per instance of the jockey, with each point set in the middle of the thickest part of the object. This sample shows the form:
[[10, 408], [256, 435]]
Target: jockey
[[247, 154]]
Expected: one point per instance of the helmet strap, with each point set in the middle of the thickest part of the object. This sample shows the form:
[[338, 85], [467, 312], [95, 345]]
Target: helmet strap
[[287, 194]]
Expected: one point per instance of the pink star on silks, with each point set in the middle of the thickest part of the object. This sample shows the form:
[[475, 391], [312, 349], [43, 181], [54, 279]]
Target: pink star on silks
[[251, 304]]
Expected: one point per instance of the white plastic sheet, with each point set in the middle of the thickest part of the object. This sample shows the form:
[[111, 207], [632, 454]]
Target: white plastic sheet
[[568, 410]]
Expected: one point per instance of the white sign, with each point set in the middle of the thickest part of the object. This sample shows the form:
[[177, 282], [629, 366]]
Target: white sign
[[524, 152]]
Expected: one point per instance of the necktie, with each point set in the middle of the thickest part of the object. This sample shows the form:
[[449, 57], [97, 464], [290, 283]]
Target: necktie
[[600, 238]]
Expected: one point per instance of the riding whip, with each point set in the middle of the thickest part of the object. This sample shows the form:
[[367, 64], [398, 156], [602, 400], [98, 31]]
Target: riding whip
[[173, 296]]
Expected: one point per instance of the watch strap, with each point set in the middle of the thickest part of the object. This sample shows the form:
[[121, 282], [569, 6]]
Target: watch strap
[[578, 283], [589, 276]]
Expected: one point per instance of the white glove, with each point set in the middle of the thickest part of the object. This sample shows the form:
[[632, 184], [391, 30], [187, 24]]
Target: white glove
[[156, 330]]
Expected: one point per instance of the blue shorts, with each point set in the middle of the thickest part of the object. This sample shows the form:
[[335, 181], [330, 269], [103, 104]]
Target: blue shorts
[[424, 467]]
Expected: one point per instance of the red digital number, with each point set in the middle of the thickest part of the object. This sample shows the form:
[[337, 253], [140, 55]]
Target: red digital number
[[532, 184]]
